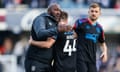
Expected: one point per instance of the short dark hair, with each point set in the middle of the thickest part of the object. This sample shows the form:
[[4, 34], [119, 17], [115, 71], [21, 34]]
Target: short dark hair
[[94, 5], [64, 15]]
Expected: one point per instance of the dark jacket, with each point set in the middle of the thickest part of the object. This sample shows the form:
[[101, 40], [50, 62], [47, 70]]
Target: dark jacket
[[44, 26]]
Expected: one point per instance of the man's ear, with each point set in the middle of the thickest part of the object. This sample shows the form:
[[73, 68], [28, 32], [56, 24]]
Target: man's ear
[[48, 11]]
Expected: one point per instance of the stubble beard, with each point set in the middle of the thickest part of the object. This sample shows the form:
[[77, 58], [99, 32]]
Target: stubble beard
[[93, 19], [55, 17]]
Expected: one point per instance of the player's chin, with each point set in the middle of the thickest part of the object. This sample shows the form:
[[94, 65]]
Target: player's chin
[[94, 18]]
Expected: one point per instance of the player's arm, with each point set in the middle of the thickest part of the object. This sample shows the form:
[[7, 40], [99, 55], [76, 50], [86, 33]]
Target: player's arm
[[42, 44], [104, 52], [103, 47], [39, 26]]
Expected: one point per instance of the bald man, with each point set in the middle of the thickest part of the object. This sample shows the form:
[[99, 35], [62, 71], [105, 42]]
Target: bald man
[[38, 59]]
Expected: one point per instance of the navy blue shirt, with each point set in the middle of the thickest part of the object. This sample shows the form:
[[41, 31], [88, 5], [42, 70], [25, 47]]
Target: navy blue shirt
[[65, 52], [88, 36]]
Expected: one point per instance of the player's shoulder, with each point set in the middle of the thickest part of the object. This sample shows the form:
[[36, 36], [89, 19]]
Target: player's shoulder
[[69, 32], [99, 25], [42, 15], [39, 17], [82, 20]]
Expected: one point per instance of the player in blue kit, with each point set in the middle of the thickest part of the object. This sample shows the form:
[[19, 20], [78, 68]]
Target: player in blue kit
[[89, 33]]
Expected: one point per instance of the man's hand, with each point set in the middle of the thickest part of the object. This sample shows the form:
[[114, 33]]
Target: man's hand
[[64, 28], [68, 27], [104, 57], [30, 40]]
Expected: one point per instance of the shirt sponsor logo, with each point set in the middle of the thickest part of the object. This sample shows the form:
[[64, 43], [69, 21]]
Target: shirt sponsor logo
[[92, 37]]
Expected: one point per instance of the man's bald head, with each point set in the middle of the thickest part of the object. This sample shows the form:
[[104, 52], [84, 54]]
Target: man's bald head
[[53, 5], [54, 10]]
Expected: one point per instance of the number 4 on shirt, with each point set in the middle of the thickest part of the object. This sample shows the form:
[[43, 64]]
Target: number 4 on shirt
[[69, 48]]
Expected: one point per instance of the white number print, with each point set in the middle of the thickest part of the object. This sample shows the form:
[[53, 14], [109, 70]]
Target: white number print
[[69, 48]]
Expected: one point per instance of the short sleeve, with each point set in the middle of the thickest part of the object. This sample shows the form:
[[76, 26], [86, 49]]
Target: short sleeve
[[77, 24], [101, 37]]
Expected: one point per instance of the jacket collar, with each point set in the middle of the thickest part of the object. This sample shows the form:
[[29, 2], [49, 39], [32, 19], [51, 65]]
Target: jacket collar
[[48, 15]]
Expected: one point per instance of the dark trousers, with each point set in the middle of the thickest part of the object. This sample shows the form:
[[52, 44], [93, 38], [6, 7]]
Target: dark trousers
[[36, 66], [83, 66]]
